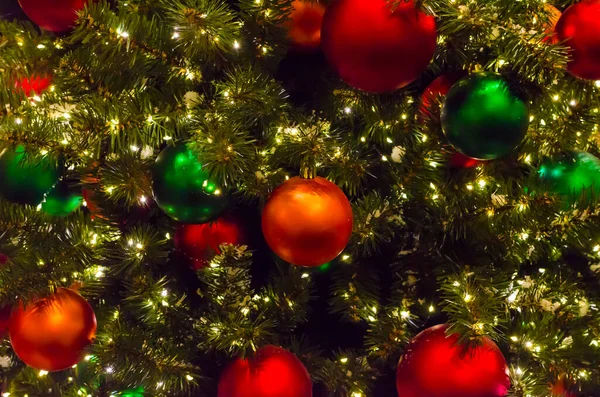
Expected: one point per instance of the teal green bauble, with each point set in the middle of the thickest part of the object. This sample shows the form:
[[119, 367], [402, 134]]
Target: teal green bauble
[[575, 176], [63, 199], [26, 176], [183, 189], [483, 118]]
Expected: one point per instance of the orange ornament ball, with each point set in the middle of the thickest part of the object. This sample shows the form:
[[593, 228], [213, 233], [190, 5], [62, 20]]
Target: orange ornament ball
[[307, 222], [52, 333], [304, 25], [271, 372], [554, 15]]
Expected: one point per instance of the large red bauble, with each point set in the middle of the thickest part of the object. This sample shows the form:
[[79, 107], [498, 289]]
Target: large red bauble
[[34, 84], [438, 88], [307, 222], [201, 242], [304, 25], [51, 334], [53, 15], [272, 372], [375, 49], [435, 365], [580, 27]]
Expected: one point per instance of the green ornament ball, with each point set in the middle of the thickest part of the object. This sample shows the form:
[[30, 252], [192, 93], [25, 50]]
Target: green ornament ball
[[182, 187], [63, 199], [482, 118], [26, 177], [575, 176]]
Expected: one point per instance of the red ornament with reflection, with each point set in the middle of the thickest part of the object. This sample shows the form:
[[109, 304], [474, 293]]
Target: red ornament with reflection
[[459, 160], [201, 242], [430, 98], [375, 48], [435, 365], [271, 372], [307, 222], [304, 25], [579, 25], [53, 15], [52, 333], [34, 85]]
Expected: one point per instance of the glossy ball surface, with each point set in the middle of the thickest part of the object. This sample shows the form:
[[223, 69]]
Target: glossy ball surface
[[53, 15], [26, 177], [304, 25], [183, 189], [307, 222], [579, 26], [434, 365], [271, 372], [483, 118], [375, 49], [62, 200], [52, 333]]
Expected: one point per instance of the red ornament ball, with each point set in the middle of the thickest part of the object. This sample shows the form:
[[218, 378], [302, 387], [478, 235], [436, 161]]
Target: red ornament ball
[[272, 372], [435, 365], [201, 242], [459, 160], [34, 84], [376, 49], [304, 25], [51, 333], [307, 222], [430, 104], [53, 15], [4, 319], [580, 27]]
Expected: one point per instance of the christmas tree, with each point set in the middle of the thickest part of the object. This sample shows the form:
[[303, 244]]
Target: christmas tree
[[295, 198]]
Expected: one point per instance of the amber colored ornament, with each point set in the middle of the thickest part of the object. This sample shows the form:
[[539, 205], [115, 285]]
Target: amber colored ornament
[[201, 242], [579, 26], [304, 25], [53, 15], [52, 333], [271, 372], [432, 97], [560, 388], [375, 48], [307, 222], [554, 15], [34, 85], [434, 364]]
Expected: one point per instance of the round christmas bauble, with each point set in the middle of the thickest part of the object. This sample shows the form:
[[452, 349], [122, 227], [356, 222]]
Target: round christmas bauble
[[271, 372], [53, 15], [374, 47], [482, 118], [52, 333], [307, 222], [25, 177], [183, 188], [200, 243], [438, 89], [63, 199], [436, 365], [304, 25], [554, 15], [579, 27], [575, 176], [34, 85]]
